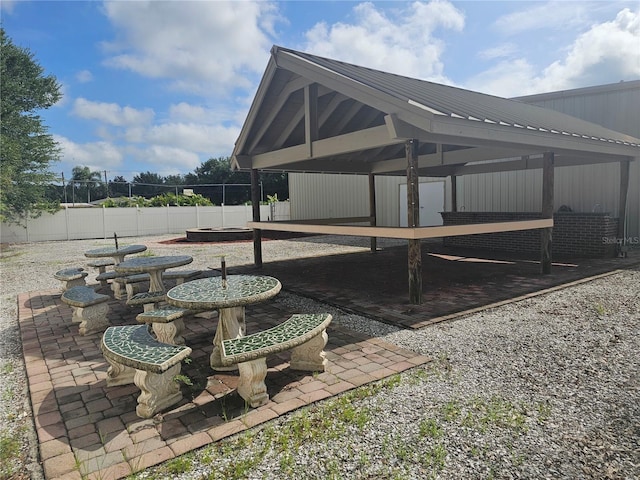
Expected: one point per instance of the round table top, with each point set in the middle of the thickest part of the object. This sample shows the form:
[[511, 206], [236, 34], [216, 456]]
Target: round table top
[[147, 264], [209, 294], [111, 251]]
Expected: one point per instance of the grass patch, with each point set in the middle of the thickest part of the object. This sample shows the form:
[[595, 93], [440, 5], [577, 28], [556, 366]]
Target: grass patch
[[9, 454], [481, 414]]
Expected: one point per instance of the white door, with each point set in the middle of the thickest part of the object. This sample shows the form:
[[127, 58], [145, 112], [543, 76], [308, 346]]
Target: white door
[[431, 204]]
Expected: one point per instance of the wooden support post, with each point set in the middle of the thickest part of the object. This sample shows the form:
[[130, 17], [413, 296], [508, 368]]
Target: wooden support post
[[372, 210], [310, 116], [413, 211], [546, 234], [454, 193], [622, 204], [255, 207]]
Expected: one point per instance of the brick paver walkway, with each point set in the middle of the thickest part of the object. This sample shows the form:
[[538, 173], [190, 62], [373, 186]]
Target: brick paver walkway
[[85, 428]]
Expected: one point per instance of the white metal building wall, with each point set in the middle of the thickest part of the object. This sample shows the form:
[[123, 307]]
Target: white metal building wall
[[585, 189], [325, 195]]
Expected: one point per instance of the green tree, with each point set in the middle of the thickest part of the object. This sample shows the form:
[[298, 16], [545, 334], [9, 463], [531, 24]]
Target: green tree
[[149, 184], [218, 171], [26, 149], [119, 187], [87, 183]]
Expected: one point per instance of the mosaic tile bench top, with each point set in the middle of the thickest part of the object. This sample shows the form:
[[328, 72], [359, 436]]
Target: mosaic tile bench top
[[133, 346], [82, 297], [142, 296], [70, 274], [298, 329], [210, 294], [164, 314]]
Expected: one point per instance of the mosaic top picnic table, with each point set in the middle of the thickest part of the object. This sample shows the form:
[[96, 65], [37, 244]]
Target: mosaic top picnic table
[[117, 254], [229, 299], [154, 266]]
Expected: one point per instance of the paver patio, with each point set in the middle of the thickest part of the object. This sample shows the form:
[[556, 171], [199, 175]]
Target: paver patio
[[85, 427]]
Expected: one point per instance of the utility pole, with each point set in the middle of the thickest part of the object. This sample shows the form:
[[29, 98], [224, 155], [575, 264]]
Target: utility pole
[[64, 188], [106, 185]]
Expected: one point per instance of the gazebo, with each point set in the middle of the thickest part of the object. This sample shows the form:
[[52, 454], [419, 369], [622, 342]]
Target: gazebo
[[315, 114]]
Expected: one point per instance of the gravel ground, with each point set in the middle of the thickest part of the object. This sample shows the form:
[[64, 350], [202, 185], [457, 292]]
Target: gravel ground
[[547, 387]]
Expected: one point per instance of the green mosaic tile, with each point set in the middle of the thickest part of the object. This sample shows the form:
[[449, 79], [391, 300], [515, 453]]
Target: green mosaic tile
[[208, 293], [133, 346], [295, 331], [162, 314]]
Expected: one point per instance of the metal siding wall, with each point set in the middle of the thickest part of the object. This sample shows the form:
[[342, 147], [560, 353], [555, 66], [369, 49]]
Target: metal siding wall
[[333, 196], [581, 188], [322, 195]]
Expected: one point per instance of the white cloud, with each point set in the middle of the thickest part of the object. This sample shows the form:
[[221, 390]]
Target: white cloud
[[401, 41], [84, 76], [543, 16], [95, 155], [607, 52], [112, 113], [207, 139], [8, 5], [508, 78], [166, 160], [500, 51], [201, 47]]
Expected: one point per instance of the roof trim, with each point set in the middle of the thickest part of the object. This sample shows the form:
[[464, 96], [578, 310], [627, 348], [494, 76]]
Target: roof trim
[[413, 108]]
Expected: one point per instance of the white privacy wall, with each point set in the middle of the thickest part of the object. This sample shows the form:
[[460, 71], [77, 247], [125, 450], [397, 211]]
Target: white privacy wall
[[96, 222]]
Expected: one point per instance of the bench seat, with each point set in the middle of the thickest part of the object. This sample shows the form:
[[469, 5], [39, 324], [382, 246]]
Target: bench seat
[[132, 284], [108, 275], [181, 276], [101, 264], [304, 334], [166, 322], [134, 356], [71, 277], [89, 308], [149, 300]]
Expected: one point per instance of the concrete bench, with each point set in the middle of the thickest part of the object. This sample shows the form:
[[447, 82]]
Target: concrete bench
[[105, 276], [101, 264], [166, 322], [181, 276], [304, 334], [71, 277], [149, 300], [89, 308], [134, 356], [132, 284]]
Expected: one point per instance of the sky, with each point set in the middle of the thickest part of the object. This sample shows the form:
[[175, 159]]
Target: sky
[[163, 86]]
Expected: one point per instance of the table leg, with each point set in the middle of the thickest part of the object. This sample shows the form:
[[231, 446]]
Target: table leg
[[155, 281], [231, 324]]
